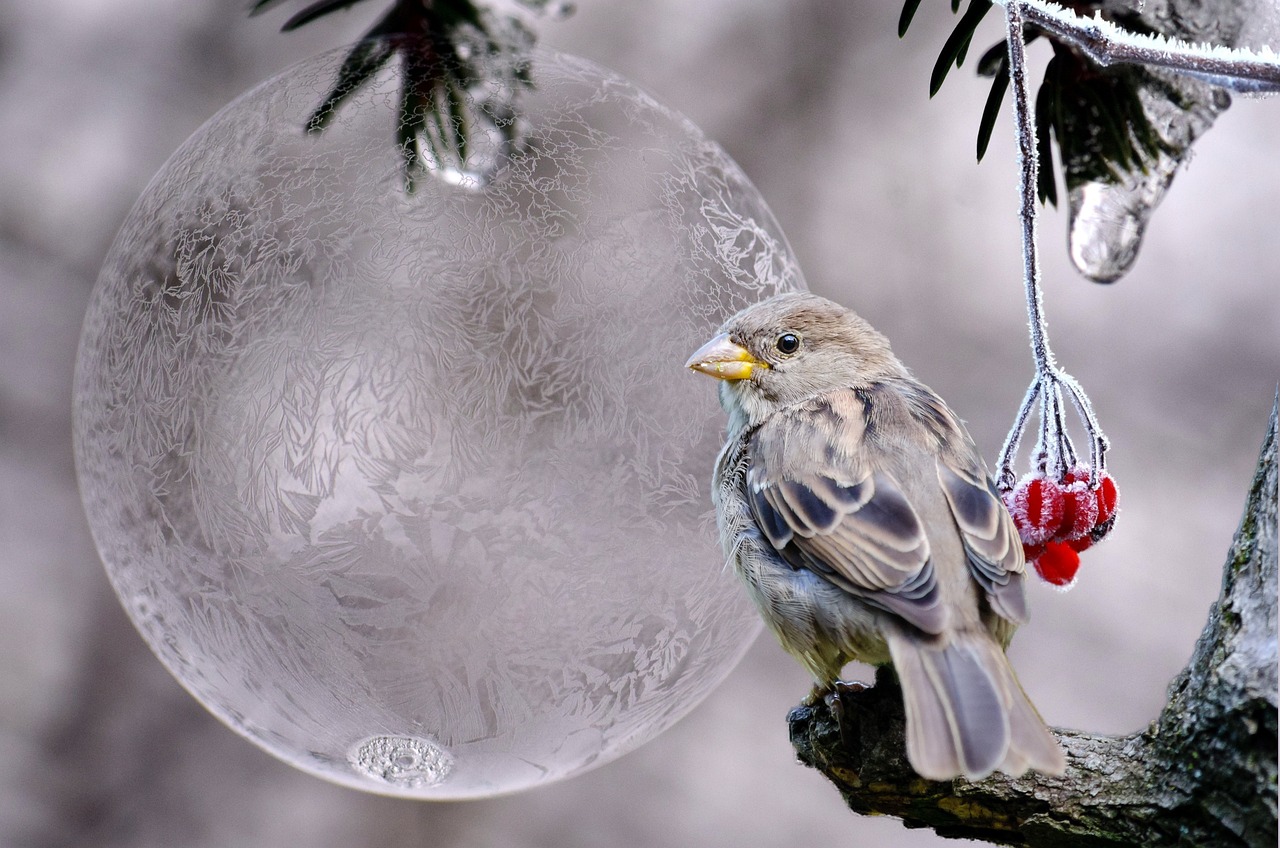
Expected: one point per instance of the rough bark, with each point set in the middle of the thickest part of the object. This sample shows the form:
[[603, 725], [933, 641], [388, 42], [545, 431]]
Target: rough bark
[[1203, 773]]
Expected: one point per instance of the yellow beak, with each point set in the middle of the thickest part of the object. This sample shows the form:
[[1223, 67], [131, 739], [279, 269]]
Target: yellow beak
[[724, 360]]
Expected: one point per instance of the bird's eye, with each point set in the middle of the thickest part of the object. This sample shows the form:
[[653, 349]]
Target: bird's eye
[[788, 343]]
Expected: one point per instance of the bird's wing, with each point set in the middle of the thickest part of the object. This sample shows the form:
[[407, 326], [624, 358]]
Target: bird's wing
[[824, 509], [991, 540]]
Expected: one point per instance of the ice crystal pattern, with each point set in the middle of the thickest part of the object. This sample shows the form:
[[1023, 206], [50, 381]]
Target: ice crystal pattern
[[411, 488]]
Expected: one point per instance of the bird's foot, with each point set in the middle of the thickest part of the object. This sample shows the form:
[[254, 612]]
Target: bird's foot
[[842, 688], [832, 697]]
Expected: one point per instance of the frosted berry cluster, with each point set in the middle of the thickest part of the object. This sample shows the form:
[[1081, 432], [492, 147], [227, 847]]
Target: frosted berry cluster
[[1059, 519]]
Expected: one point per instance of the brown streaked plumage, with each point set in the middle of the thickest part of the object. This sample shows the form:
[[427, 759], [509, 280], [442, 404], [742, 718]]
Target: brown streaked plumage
[[857, 510]]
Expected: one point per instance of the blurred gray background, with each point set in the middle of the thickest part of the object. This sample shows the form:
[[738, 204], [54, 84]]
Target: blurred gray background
[[878, 191]]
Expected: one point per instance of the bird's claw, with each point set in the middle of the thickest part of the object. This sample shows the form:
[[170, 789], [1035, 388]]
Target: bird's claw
[[832, 697]]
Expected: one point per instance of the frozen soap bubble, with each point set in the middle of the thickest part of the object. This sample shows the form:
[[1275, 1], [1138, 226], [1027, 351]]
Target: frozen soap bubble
[[411, 489]]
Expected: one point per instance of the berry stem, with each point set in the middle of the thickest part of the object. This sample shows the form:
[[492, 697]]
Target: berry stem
[[1028, 162], [1053, 453]]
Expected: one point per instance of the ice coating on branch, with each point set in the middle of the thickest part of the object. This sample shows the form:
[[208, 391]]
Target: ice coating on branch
[[411, 489], [1231, 43], [1191, 53], [1109, 219]]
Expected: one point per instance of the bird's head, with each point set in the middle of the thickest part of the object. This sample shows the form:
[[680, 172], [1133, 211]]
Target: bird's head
[[789, 348]]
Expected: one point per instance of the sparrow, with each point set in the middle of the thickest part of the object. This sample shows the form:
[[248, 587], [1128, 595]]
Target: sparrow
[[858, 512]]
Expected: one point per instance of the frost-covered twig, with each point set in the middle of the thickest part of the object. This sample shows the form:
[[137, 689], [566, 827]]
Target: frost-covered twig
[[1106, 44], [1054, 452]]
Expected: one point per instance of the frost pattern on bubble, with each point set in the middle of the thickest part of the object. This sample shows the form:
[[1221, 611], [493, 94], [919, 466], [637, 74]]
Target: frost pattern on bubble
[[1109, 219], [364, 463]]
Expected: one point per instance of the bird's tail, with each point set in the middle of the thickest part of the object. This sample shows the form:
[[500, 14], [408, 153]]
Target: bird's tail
[[966, 712]]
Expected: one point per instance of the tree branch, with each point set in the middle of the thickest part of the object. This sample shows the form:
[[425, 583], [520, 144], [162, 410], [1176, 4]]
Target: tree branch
[[1204, 773], [1106, 44]]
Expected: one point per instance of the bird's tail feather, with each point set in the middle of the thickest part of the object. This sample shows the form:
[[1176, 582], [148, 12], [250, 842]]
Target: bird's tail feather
[[966, 712]]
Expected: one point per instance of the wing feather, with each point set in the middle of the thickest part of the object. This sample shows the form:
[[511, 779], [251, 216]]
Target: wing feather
[[825, 511], [990, 538], [812, 514]]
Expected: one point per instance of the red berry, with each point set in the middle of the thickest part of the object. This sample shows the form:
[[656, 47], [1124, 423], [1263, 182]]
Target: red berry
[[1082, 544], [1036, 505], [1057, 565], [1106, 498], [1080, 511], [1103, 508], [1058, 520]]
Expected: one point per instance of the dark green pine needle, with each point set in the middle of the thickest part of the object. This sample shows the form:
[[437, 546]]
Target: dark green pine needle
[[263, 5], [316, 11], [904, 20], [364, 60], [1094, 115], [436, 116], [999, 86], [1046, 184], [957, 43]]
